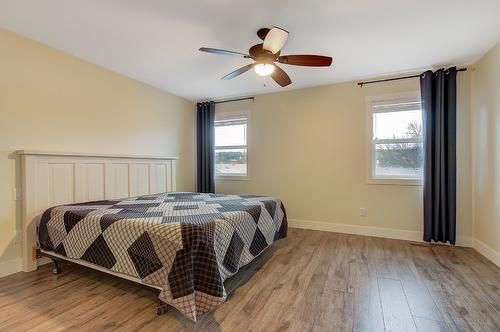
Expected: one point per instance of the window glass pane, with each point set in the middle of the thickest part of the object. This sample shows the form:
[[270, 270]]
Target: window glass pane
[[401, 124], [231, 161], [398, 160], [227, 135]]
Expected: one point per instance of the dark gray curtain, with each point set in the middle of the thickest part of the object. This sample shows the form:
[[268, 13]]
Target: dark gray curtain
[[439, 90], [205, 137]]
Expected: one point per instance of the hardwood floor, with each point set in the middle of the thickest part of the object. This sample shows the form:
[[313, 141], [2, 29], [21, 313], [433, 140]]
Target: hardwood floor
[[312, 281]]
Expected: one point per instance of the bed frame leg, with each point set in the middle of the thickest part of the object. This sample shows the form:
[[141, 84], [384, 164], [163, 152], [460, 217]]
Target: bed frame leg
[[161, 309], [57, 267]]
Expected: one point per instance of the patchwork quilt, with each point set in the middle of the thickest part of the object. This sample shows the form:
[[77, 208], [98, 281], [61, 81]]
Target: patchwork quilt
[[185, 243]]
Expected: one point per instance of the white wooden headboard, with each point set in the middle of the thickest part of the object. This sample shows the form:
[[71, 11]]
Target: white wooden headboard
[[50, 179]]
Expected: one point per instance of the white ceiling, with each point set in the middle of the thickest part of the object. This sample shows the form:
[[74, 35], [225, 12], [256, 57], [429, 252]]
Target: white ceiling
[[157, 41]]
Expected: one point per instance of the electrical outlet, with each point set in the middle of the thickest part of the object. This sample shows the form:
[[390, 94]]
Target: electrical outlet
[[362, 212], [17, 194], [35, 253]]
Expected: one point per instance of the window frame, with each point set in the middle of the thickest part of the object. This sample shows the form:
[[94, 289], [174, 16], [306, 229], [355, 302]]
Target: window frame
[[230, 115], [404, 97]]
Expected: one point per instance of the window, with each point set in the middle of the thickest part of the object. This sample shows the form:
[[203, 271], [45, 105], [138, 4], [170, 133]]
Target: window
[[231, 147], [396, 145]]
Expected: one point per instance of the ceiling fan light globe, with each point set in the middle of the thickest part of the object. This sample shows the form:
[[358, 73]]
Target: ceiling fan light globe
[[264, 69]]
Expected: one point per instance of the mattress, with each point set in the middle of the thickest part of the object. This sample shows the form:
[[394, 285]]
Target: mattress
[[185, 243]]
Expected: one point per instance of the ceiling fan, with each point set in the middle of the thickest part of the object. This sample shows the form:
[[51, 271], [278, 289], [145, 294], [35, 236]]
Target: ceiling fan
[[267, 53]]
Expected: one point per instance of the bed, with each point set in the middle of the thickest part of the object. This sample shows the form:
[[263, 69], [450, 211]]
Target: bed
[[185, 244]]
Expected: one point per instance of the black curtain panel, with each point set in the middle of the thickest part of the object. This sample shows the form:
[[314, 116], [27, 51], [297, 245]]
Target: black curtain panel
[[205, 124], [439, 99]]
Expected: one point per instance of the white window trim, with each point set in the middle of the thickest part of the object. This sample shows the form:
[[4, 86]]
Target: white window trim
[[227, 115], [412, 96]]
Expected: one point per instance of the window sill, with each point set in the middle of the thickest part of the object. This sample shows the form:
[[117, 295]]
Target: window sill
[[232, 178], [395, 181]]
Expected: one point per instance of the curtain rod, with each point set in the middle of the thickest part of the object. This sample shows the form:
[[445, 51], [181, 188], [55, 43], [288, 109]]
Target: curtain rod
[[397, 78], [232, 100]]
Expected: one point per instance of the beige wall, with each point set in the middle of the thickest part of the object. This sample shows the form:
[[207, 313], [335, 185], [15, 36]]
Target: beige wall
[[486, 150], [55, 102], [308, 147]]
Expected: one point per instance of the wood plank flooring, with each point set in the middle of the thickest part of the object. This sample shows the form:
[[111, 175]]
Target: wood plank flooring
[[312, 281]]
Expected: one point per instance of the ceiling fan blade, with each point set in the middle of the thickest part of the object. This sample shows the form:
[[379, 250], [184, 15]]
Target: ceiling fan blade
[[275, 40], [262, 33], [280, 77], [222, 52], [306, 60], [238, 72]]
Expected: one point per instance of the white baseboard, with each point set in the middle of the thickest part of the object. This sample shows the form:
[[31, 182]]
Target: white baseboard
[[388, 233], [11, 266], [16, 265], [487, 251], [356, 229]]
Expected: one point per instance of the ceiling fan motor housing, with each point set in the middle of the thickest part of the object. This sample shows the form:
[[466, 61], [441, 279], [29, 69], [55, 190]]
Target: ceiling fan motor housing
[[262, 56]]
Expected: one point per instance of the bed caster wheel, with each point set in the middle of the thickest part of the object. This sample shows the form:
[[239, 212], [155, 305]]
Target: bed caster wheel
[[161, 309], [57, 267]]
